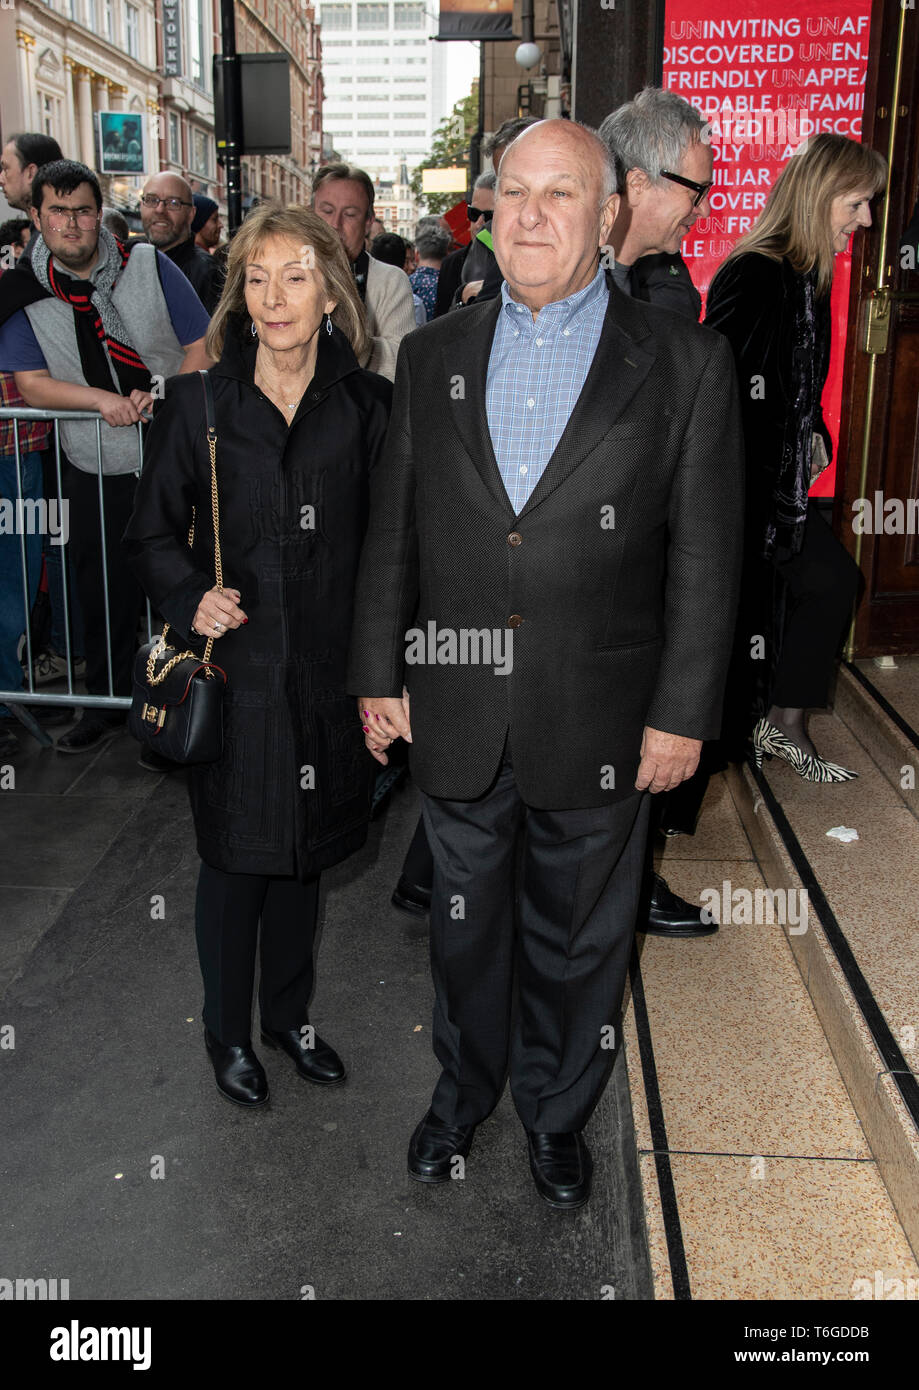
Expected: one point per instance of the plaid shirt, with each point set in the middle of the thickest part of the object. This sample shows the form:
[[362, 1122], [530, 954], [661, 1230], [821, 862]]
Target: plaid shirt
[[536, 371], [33, 434]]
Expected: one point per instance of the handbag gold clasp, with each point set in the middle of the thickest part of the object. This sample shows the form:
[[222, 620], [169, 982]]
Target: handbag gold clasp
[[152, 715]]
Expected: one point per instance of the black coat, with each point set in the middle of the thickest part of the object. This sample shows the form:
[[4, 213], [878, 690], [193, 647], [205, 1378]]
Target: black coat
[[780, 337], [203, 272], [285, 705], [780, 333], [620, 618]]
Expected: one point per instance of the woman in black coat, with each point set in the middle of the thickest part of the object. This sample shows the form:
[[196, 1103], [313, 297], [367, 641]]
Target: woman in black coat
[[299, 427], [771, 298]]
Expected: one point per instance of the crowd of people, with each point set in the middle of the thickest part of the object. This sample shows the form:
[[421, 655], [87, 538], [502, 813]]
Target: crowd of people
[[418, 436]]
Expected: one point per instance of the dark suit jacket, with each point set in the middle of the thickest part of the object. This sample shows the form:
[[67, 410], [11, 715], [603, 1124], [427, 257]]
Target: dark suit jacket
[[623, 625]]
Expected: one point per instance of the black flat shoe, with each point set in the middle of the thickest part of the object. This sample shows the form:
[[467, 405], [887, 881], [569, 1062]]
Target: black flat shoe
[[319, 1063], [411, 898], [669, 915], [434, 1146], [239, 1074], [562, 1168]]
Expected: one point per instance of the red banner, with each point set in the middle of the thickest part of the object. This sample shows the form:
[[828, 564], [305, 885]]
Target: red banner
[[767, 76]]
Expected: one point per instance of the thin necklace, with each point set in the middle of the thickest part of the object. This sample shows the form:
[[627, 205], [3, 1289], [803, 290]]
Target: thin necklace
[[291, 405]]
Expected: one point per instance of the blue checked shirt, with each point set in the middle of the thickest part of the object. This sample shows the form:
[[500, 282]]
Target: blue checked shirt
[[536, 371]]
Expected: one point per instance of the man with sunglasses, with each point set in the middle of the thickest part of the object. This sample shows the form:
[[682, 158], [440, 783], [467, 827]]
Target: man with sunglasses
[[167, 210], [664, 165]]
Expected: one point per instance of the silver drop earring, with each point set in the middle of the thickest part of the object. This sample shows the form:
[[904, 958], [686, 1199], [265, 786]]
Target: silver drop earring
[[328, 324], [254, 330]]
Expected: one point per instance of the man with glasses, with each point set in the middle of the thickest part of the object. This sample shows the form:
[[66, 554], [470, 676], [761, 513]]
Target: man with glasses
[[167, 210], [664, 167], [89, 324], [664, 163]]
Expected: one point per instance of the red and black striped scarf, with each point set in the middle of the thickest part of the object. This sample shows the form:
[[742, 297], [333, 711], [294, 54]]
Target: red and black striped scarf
[[103, 341]]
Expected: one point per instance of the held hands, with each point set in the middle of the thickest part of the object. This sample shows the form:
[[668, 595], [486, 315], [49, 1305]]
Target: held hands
[[217, 612], [124, 410], [383, 720], [666, 760]]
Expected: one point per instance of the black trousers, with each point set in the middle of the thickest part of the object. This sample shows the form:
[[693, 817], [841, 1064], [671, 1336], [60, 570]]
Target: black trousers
[[228, 909], [822, 581], [124, 592], [566, 926]]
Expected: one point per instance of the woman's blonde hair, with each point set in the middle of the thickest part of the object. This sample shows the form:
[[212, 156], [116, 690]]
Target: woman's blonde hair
[[317, 241], [795, 223]]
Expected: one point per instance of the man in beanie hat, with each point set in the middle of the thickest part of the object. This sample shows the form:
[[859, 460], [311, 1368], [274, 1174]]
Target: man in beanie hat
[[205, 225]]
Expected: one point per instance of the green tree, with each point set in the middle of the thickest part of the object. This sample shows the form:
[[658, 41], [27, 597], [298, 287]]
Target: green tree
[[450, 147]]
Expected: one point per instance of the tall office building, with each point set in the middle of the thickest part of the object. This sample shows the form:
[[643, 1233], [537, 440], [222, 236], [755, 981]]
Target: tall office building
[[387, 85]]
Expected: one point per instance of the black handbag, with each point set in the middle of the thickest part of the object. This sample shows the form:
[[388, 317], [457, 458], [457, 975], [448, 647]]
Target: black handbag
[[177, 711]]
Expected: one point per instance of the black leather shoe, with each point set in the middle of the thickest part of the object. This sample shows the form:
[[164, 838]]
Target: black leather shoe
[[433, 1147], [669, 915], [319, 1063], [411, 898], [239, 1074], [89, 732], [562, 1168]]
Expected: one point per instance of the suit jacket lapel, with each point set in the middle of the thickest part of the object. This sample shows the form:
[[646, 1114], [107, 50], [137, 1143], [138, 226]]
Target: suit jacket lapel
[[624, 356], [465, 362]]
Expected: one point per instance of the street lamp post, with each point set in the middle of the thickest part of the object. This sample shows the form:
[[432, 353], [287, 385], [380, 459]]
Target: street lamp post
[[232, 113]]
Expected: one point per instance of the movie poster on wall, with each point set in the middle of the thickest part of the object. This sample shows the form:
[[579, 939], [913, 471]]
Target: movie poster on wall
[[767, 76]]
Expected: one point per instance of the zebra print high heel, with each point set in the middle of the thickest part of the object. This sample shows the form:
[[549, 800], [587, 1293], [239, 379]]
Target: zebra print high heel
[[770, 742]]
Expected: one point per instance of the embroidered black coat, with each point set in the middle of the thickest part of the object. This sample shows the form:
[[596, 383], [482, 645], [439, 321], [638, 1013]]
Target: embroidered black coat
[[291, 792]]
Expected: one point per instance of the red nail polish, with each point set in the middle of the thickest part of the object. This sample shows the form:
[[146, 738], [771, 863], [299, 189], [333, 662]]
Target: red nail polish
[[245, 620], [366, 728]]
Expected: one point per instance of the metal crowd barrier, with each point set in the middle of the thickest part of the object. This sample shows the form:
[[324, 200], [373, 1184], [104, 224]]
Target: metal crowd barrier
[[28, 695]]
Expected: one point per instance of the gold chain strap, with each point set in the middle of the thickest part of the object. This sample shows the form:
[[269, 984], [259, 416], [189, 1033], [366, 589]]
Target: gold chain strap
[[159, 647]]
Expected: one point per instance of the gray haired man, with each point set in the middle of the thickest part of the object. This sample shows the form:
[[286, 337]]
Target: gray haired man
[[664, 164]]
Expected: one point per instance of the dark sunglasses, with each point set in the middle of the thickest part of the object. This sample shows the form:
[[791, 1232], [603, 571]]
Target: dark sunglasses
[[700, 189], [475, 213]]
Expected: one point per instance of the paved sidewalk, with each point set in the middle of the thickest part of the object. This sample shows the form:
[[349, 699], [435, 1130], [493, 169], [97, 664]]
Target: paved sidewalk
[[108, 1085]]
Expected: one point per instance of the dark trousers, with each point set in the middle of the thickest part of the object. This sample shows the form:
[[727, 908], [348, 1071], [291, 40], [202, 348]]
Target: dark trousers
[[228, 909], [821, 581], [124, 592], [575, 904]]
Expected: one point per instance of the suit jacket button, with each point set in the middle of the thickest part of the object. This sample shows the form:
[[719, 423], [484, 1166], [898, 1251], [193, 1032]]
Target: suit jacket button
[[514, 620], [515, 538]]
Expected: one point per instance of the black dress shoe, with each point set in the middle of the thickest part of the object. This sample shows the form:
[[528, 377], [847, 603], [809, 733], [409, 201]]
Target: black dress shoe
[[89, 732], [562, 1167], [239, 1074], [411, 898], [669, 915], [319, 1063], [433, 1147]]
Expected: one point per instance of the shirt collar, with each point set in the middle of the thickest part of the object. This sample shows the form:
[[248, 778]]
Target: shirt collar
[[561, 312]]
